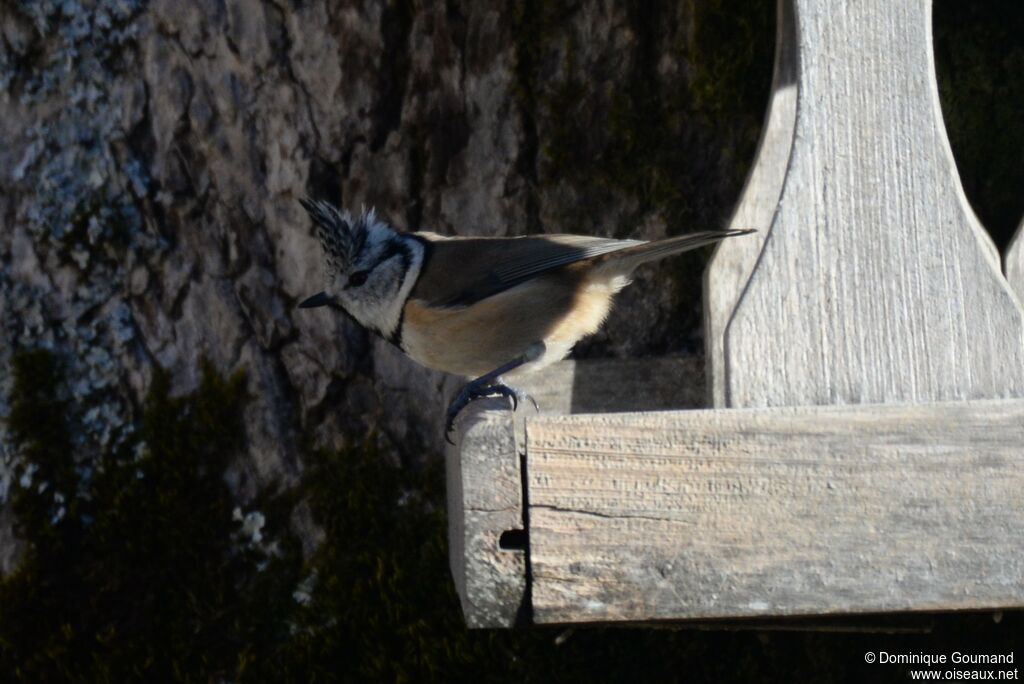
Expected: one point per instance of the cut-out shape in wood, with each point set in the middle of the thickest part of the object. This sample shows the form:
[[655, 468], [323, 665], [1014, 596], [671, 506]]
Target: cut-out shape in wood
[[876, 282], [1013, 265], [734, 260]]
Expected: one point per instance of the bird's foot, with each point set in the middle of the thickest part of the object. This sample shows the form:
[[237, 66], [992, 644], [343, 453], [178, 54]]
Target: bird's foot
[[481, 389], [490, 385]]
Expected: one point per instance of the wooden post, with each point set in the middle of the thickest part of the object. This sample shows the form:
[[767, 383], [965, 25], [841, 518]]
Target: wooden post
[[485, 484], [485, 509]]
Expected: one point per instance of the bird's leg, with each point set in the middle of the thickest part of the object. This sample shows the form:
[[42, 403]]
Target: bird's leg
[[490, 385]]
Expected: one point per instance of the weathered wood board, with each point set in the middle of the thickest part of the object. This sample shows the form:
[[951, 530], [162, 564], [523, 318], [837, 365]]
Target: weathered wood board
[[876, 282], [788, 511], [734, 260], [485, 500]]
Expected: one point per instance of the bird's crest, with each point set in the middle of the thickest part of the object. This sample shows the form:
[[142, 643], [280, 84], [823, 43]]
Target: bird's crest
[[341, 236]]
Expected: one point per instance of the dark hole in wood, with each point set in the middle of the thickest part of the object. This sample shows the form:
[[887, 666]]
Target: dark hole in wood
[[512, 540]]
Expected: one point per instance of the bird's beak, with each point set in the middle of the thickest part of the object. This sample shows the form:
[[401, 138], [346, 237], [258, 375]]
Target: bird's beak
[[319, 299]]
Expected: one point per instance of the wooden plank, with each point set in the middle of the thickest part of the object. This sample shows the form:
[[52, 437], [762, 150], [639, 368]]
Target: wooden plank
[[787, 511], [876, 283], [733, 261]]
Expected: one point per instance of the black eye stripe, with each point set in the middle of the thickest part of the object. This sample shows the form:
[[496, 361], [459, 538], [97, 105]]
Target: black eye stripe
[[393, 248]]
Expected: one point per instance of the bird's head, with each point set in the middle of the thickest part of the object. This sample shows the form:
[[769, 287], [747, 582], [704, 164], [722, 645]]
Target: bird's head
[[370, 266]]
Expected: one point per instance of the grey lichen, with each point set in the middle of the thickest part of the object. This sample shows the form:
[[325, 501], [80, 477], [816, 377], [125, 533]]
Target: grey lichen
[[82, 187]]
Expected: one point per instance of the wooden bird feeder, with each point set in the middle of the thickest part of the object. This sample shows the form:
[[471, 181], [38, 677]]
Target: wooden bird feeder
[[864, 453]]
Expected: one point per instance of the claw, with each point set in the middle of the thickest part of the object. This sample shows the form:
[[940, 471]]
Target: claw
[[518, 395], [503, 390], [476, 390]]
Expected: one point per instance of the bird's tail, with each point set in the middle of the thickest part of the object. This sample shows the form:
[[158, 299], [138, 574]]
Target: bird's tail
[[624, 261]]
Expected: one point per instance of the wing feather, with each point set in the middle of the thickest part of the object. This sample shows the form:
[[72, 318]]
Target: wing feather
[[462, 271]]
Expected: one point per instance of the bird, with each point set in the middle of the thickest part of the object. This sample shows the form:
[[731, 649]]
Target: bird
[[486, 308]]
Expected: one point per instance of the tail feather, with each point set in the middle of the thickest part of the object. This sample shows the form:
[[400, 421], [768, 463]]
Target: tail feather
[[624, 261]]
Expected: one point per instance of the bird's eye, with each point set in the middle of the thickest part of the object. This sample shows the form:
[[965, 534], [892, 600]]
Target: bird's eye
[[357, 278]]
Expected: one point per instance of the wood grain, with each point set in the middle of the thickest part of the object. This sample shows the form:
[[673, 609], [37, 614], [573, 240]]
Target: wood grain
[[733, 260], [876, 282], [789, 511]]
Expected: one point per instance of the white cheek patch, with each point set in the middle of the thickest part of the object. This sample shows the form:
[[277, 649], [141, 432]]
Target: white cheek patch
[[378, 305]]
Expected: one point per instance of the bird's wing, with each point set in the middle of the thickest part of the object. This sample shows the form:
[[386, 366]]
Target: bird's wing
[[462, 271]]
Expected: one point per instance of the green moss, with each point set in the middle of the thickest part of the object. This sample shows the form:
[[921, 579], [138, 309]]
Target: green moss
[[139, 576], [732, 57], [142, 575], [374, 608], [38, 425]]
